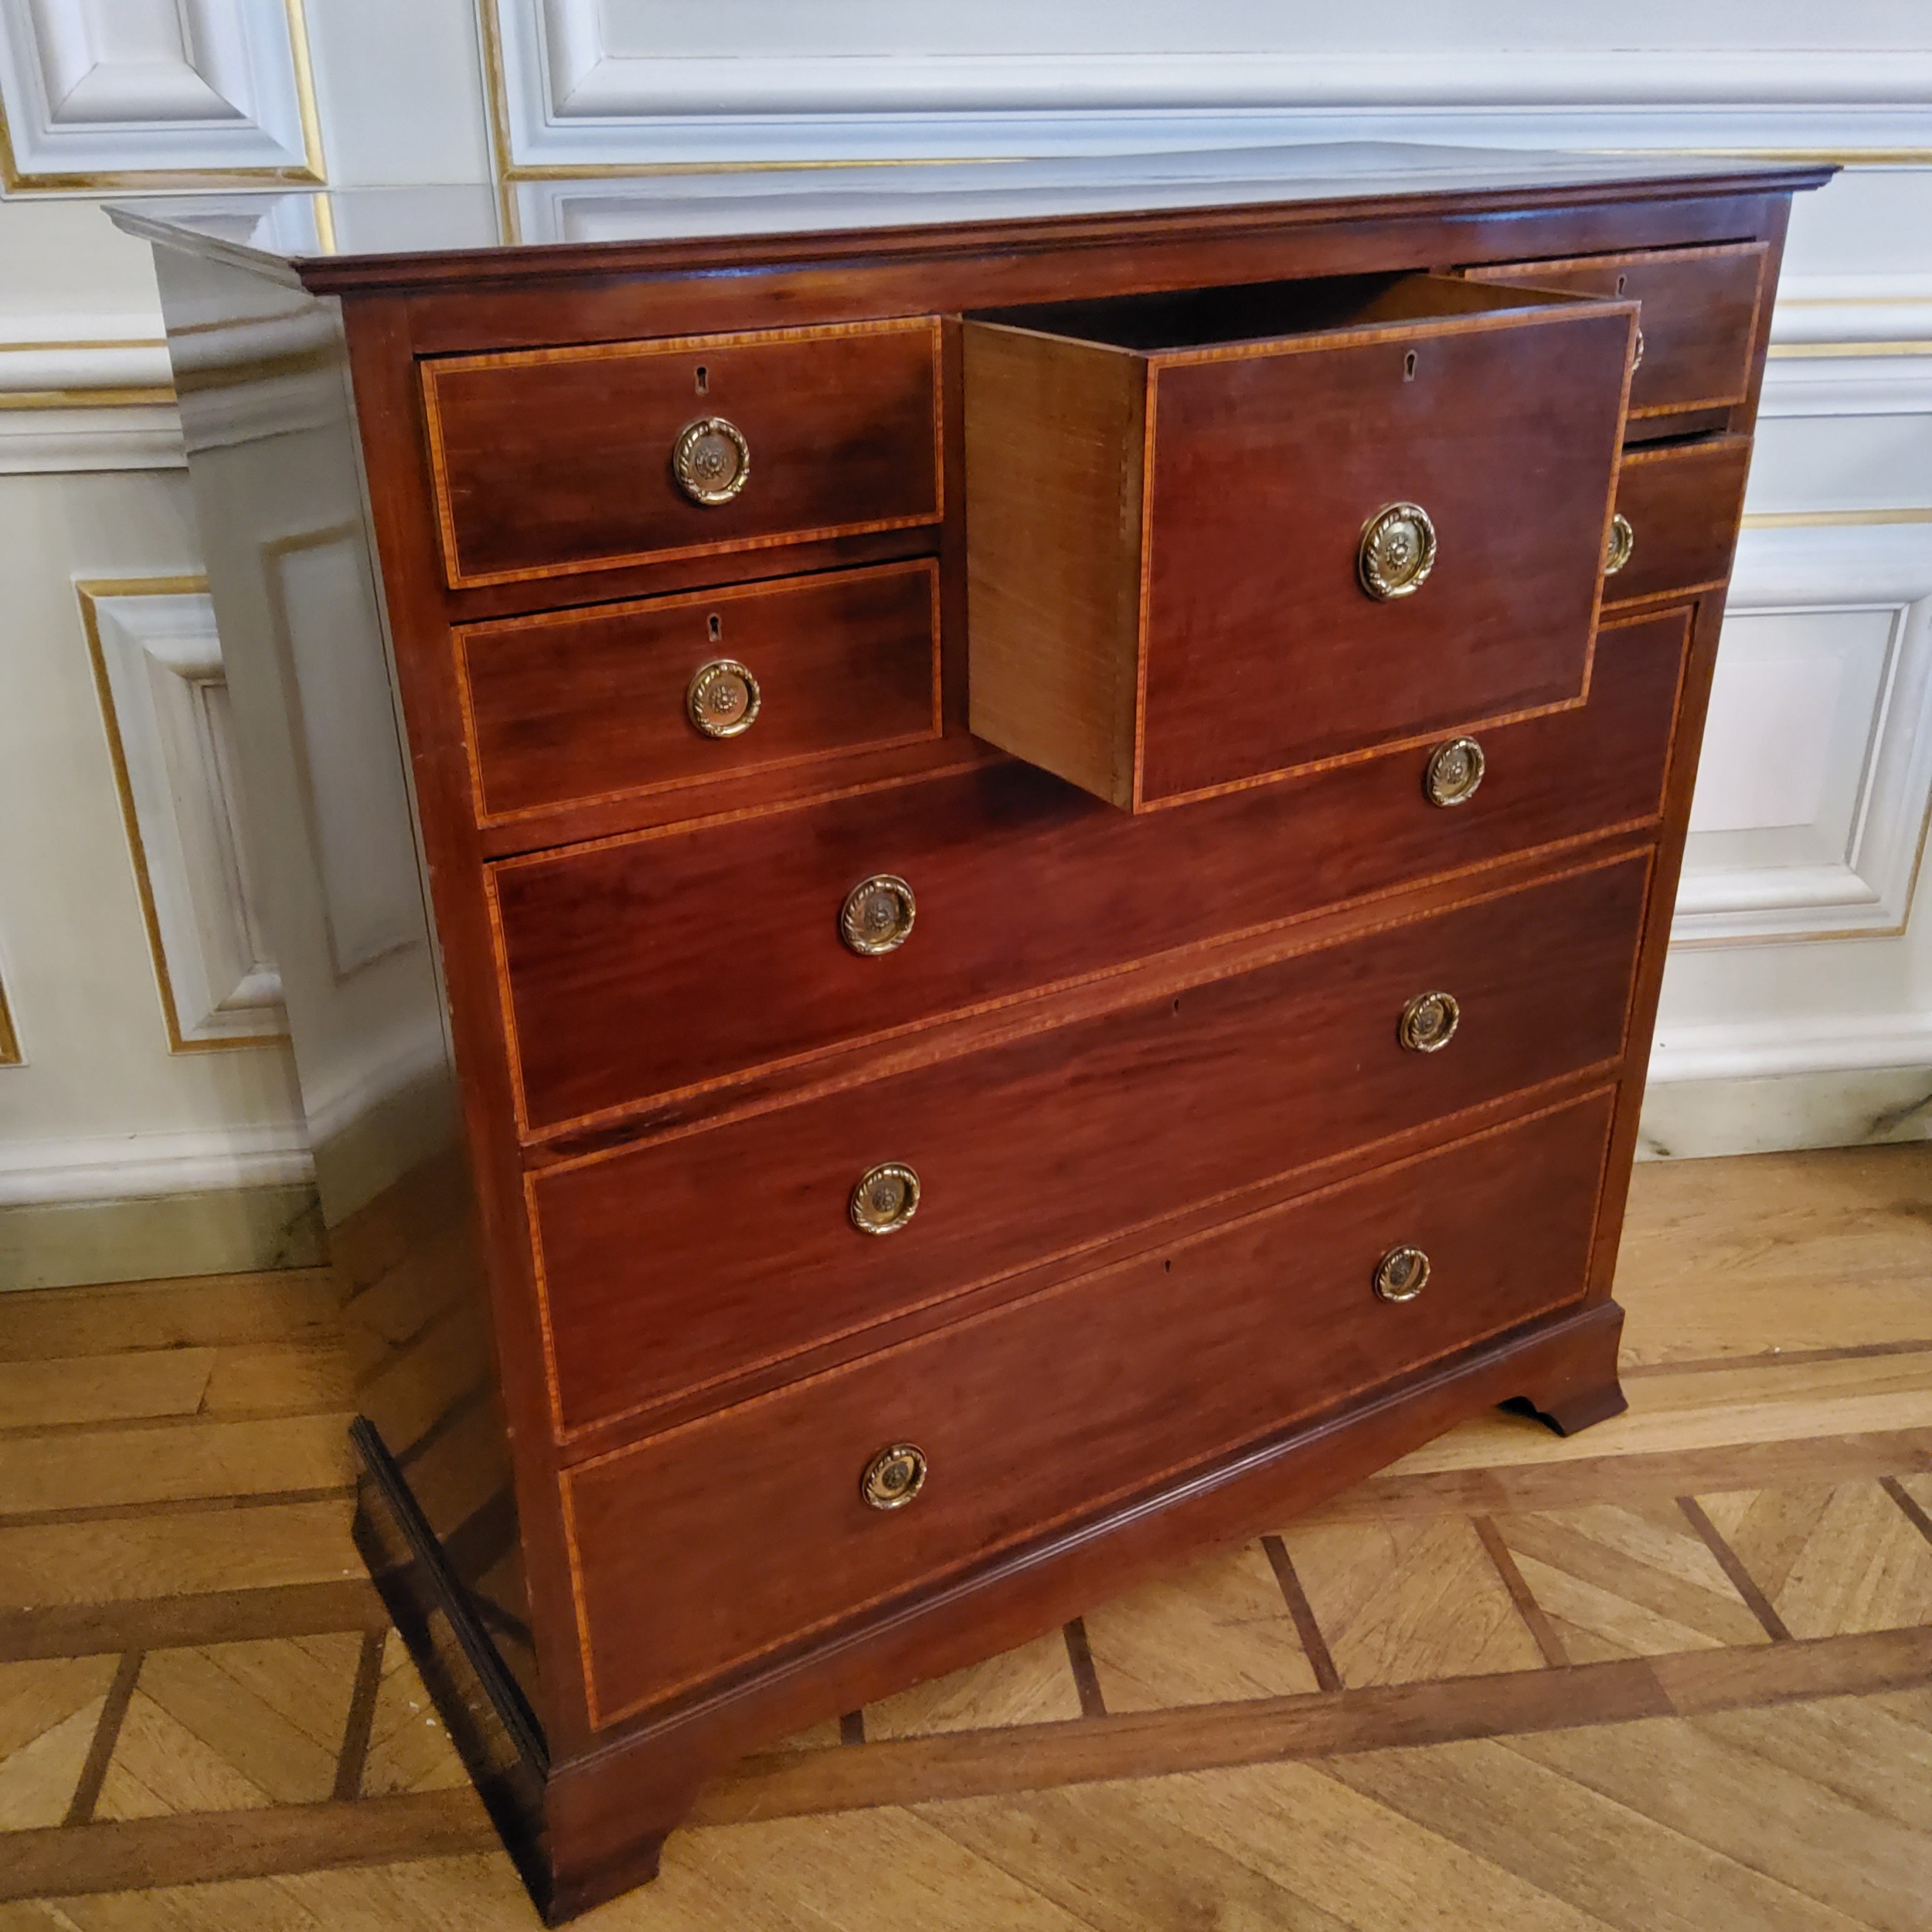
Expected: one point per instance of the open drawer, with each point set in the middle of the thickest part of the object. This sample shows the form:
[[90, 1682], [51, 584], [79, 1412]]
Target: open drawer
[[1221, 535]]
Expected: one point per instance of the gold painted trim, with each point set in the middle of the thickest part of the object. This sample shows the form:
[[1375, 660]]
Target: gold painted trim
[[1802, 519], [310, 174], [10, 1053], [88, 341], [90, 592], [1786, 352], [81, 399]]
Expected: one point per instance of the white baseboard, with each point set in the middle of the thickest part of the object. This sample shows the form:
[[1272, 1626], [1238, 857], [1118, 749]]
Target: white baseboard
[[1745, 1050], [122, 1167]]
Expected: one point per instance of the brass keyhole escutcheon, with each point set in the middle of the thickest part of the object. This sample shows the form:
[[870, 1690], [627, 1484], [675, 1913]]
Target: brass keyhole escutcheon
[[1397, 552], [885, 1199], [1455, 770], [1429, 1023], [1622, 541], [722, 699], [878, 914], [1402, 1274], [894, 1476], [710, 460]]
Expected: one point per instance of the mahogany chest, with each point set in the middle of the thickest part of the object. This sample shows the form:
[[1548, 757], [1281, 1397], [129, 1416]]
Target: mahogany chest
[[971, 864]]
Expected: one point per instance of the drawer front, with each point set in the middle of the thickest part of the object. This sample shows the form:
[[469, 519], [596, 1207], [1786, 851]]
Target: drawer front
[[627, 981], [547, 460], [1682, 503], [579, 705], [1086, 1393], [1267, 468], [1131, 1117], [1698, 318]]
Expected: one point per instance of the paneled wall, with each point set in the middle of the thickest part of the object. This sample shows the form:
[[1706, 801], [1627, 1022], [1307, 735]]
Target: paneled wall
[[141, 1049]]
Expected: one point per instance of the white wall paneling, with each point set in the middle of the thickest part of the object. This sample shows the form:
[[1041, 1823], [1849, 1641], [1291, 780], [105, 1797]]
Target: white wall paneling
[[630, 82], [123, 89], [164, 703], [1816, 774]]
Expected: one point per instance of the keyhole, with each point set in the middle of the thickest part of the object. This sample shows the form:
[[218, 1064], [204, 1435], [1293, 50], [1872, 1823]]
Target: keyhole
[[1409, 367], [714, 627], [1620, 281], [704, 380]]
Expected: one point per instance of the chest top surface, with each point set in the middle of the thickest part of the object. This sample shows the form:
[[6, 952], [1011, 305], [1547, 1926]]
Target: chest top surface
[[375, 236]]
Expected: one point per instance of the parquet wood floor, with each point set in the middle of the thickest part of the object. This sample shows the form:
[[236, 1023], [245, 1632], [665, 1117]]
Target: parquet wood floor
[[1674, 1675]]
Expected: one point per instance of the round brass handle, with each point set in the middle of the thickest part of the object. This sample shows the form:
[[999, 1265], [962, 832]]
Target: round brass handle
[[894, 1476], [1397, 552], [710, 460], [1623, 541], [1636, 354], [1429, 1023], [722, 700], [886, 1198], [878, 914], [1455, 771], [1402, 1274]]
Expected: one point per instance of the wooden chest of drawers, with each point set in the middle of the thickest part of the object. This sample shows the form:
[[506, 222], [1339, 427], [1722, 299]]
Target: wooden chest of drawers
[[1038, 810]]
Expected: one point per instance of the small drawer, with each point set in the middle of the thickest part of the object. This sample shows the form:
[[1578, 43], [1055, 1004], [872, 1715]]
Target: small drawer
[[627, 982], [578, 704], [1678, 505], [1147, 1111], [1698, 311], [1186, 514], [835, 1496], [554, 460]]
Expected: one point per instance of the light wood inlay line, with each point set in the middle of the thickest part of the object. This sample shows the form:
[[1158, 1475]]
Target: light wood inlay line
[[1531, 1612], [114, 1710], [1320, 1660], [1742, 1580]]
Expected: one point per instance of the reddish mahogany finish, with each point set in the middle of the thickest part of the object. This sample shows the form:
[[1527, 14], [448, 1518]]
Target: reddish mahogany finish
[[1157, 1365], [1698, 309], [1261, 432], [548, 460], [1145, 1063], [578, 706], [1021, 882], [1682, 501], [1130, 1117]]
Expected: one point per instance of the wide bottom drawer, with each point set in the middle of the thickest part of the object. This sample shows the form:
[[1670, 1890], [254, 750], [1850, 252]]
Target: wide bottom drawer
[[697, 1551]]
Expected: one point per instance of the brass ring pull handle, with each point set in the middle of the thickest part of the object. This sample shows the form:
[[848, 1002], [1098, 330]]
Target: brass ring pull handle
[[1636, 354], [1397, 552], [1429, 1023], [722, 699], [894, 1476], [1455, 770], [878, 914], [710, 460], [1402, 1274], [1622, 541], [886, 1198]]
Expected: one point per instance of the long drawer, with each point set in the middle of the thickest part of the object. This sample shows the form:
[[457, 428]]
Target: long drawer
[[651, 1291], [703, 1548], [652, 964]]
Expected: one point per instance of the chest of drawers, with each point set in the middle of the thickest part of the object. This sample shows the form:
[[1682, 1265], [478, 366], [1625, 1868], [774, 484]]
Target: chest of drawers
[[970, 866]]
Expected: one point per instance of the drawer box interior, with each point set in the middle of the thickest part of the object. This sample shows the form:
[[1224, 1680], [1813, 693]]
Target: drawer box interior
[[1190, 515]]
